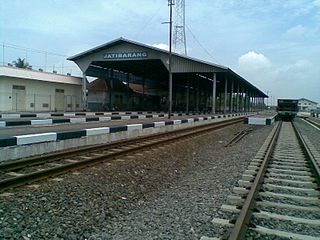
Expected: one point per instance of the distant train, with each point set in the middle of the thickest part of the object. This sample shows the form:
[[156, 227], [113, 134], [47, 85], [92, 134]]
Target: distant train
[[287, 109]]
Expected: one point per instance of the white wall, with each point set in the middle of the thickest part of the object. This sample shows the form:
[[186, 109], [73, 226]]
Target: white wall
[[306, 106], [38, 91]]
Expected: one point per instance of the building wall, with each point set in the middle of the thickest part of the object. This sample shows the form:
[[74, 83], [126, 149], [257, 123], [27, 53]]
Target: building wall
[[37, 96], [306, 106]]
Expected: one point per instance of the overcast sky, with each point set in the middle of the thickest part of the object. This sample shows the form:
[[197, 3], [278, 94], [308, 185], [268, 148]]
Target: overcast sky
[[274, 44]]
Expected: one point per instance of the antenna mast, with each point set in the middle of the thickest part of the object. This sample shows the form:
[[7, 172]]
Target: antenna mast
[[179, 33]]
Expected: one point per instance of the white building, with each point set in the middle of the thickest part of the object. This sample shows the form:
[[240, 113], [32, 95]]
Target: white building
[[306, 105], [35, 91]]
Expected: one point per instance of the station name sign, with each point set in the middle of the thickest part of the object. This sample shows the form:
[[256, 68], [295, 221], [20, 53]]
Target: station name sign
[[124, 55]]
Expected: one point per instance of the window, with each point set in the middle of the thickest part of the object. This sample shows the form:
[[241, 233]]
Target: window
[[45, 105], [18, 87], [59, 90]]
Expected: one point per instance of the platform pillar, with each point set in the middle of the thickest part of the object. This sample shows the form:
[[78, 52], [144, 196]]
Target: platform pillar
[[128, 95], [249, 101], [231, 98], [245, 101], [187, 100], [242, 99], [111, 90], [197, 97], [84, 92], [214, 92], [237, 99], [225, 96]]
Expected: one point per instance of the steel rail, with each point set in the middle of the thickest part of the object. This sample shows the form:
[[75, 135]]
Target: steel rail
[[239, 136], [241, 224], [314, 165], [35, 176], [313, 122]]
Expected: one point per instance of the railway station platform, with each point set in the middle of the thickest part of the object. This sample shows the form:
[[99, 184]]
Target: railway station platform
[[26, 142], [262, 118], [11, 120]]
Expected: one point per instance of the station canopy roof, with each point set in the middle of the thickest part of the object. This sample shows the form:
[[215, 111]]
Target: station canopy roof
[[150, 62]]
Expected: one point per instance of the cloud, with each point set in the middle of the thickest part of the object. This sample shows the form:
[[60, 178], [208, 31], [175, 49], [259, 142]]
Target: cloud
[[163, 46], [299, 33], [254, 61], [316, 3], [294, 80]]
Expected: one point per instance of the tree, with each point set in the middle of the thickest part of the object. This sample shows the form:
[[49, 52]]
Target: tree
[[21, 63]]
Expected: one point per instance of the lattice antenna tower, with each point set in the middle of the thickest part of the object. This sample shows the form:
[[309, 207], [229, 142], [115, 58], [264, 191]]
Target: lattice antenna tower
[[179, 33]]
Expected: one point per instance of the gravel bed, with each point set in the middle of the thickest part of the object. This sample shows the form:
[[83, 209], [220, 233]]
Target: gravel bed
[[292, 192], [252, 235], [288, 226], [290, 201], [171, 192], [312, 133], [292, 212]]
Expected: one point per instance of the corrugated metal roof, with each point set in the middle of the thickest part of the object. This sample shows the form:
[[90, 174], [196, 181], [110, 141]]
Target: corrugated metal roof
[[119, 40], [307, 100], [39, 76], [183, 63]]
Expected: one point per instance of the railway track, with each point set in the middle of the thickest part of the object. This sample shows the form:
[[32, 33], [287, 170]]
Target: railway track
[[19, 172], [316, 125], [278, 196]]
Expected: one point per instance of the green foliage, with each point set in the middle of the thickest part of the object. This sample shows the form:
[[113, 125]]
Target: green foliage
[[21, 63]]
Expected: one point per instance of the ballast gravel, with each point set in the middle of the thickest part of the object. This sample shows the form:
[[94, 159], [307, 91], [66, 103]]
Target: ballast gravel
[[312, 133], [169, 192]]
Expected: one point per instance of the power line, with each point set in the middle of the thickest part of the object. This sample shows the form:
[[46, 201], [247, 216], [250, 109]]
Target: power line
[[156, 13], [203, 48], [13, 46]]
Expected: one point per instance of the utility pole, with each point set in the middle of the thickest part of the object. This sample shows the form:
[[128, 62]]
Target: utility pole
[[3, 54], [170, 4]]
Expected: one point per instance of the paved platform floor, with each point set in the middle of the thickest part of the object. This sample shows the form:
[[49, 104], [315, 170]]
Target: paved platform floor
[[21, 130]]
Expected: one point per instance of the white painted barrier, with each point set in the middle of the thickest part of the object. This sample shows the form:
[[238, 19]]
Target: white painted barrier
[[43, 115], [104, 119], [159, 124], [125, 117], [97, 131], [39, 122], [10, 115], [132, 127], [36, 138], [77, 120]]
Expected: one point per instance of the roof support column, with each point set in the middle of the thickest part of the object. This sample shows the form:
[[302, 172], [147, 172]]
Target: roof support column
[[242, 100], [246, 101], [249, 101], [187, 98], [197, 96], [231, 98], [128, 95], [256, 103], [111, 89], [237, 100], [214, 91], [84, 92], [225, 95], [143, 96], [220, 101]]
